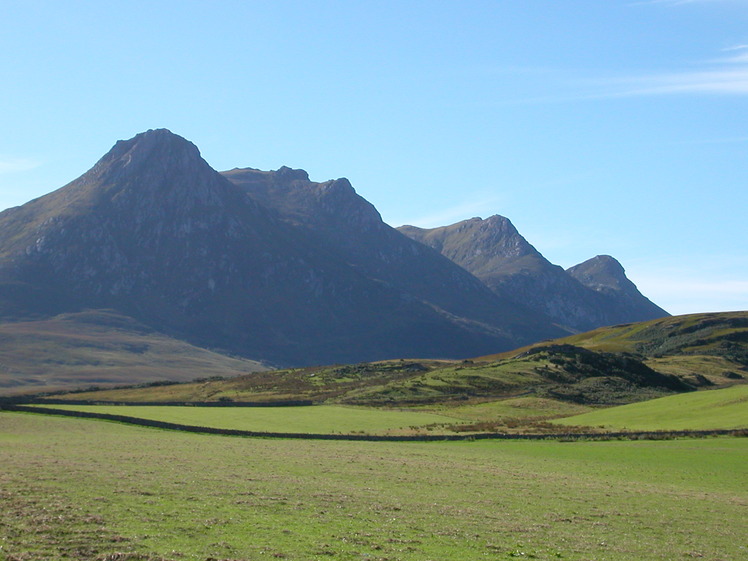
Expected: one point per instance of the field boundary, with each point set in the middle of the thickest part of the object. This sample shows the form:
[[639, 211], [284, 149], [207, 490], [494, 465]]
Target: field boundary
[[25, 400], [634, 435]]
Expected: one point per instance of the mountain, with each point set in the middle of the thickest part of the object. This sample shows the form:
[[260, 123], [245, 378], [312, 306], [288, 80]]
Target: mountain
[[606, 276], [153, 233], [590, 295], [335, 219]]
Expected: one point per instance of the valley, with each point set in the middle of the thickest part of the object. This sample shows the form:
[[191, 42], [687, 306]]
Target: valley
[[242, 365]]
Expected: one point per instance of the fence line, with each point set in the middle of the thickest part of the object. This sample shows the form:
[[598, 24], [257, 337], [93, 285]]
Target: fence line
[[654, 435]]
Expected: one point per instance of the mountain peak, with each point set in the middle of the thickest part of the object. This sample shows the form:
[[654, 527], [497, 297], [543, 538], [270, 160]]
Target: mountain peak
[[494, 239], [285, 173], [601, 272], [163, 145]]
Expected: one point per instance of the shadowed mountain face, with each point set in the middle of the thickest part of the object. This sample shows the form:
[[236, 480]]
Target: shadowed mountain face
[[267, 265], [606, 277], [338, 221], [590, 295]]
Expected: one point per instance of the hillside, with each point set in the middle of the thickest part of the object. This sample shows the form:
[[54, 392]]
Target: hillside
[[703, 349], [608, 366], [101, 348]]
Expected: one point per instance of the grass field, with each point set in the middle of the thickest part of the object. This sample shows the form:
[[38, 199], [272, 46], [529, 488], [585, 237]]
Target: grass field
[[725, 408], [516, 407], [318, 419], [86, 489]]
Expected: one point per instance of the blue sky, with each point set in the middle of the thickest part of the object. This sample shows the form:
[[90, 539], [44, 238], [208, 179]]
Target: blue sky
[[597, 127]]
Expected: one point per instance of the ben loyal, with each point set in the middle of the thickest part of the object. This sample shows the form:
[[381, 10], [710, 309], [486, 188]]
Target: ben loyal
[[274, 267]]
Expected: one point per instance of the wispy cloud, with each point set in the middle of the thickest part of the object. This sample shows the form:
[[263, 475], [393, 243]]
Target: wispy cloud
[[725, 75], [482, 204], [724, 81], [739, 55], [15, 165], [727, 140]]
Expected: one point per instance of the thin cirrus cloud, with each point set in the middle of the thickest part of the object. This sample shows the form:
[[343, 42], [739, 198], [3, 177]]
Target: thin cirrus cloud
[[723, 76], [15, 165], [482, 204], [727, 81]]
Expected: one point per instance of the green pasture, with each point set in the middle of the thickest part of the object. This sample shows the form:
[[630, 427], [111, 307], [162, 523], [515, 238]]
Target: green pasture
[[78, 489], [725, 408], [515, 407], [322, 419]]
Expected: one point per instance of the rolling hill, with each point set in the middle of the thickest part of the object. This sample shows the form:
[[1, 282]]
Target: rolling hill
[[605, 367]]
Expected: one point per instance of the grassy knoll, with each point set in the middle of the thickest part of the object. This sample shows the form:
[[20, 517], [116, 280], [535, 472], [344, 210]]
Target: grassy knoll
[[78, 489], [565, 372], [725, 408], [318, 419]]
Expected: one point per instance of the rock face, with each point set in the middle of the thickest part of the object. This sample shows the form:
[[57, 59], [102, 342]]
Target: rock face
[[590, 295], [267, 265]]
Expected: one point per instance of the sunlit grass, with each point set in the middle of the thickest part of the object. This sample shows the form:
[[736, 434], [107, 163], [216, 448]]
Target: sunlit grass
[[86, 489], [322, 419], [705, 410]]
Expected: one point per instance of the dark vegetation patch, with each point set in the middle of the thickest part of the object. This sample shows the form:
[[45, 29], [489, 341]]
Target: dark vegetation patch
[[710, 334], [584, 376]]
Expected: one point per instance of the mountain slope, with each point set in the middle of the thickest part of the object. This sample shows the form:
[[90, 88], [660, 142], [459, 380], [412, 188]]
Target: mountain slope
[[606, 277], [154, 233], [100, 348], [495, 252], [334, 217]]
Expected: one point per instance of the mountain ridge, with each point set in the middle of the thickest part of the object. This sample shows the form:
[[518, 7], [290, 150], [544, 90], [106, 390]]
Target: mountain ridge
[[155, 233], [590, 295]]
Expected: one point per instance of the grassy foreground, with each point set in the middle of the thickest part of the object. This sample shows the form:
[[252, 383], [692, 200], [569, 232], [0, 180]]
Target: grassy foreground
[[78, 489]]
